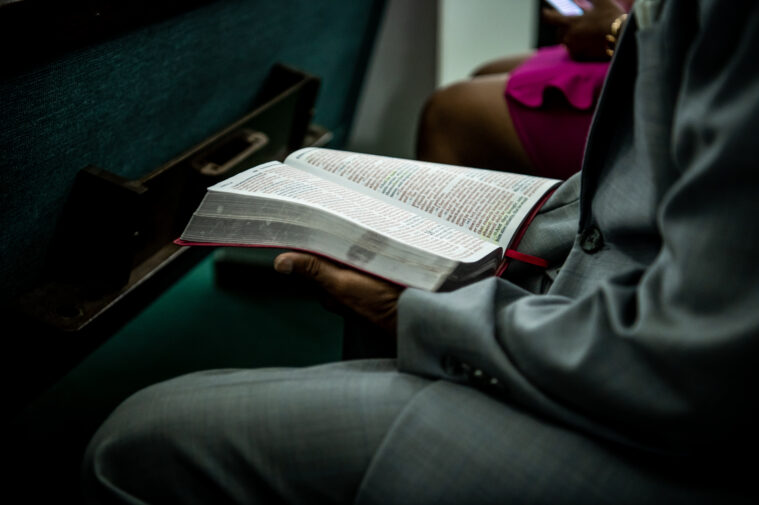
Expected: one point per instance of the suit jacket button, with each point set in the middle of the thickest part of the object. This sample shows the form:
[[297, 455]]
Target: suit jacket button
[[591, 240]]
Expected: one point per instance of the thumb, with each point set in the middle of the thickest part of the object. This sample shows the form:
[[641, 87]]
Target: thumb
[[306, 265]]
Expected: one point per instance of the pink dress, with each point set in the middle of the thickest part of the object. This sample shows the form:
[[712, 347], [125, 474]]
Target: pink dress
[[551, 99]]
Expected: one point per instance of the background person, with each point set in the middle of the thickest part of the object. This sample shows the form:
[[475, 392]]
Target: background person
[[528, 113]]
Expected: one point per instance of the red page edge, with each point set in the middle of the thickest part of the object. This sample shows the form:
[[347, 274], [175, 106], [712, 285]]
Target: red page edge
[[510, 253]]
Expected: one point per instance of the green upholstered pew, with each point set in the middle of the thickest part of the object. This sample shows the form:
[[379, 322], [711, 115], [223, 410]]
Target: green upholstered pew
[[128, 101]]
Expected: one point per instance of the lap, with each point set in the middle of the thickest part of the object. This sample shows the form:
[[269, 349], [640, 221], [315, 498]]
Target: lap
[[249, 436], [357, 431], [455, 444], [468, 123]]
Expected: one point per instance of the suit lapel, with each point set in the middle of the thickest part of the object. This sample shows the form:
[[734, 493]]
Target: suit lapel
[[615, 101]]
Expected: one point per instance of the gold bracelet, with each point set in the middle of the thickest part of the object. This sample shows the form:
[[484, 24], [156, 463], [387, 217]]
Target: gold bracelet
[[613, 35]]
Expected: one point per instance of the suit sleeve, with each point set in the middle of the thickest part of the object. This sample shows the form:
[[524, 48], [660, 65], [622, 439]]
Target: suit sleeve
[[665, 355]]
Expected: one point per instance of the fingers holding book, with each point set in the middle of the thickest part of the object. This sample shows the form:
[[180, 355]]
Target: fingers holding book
[[365, 295]]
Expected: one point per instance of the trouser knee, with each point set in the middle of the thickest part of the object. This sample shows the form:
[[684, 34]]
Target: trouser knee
[[126, 453]]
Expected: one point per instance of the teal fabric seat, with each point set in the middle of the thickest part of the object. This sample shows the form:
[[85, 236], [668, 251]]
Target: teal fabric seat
[[128, 104], [131, 103]]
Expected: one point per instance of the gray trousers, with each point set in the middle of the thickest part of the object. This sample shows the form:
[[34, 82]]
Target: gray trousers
[[248, 436], [362, 432]]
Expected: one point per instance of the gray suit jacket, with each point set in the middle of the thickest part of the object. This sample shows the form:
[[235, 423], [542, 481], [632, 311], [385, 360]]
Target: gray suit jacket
[[627, 372]]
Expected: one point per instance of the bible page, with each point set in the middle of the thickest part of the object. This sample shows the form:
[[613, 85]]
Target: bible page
[[277, 181], [488, 204]]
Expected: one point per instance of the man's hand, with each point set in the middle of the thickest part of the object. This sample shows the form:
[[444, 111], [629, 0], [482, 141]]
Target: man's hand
[[585, 35], [369, 297]]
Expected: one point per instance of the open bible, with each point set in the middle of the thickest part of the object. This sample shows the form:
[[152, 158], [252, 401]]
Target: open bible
[[425, 225]]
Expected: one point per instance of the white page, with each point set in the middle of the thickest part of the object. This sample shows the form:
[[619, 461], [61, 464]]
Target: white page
[[277, 181], [488, 204]]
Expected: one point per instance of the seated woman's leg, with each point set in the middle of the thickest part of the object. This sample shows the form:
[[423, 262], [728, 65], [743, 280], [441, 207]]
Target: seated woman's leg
[[502, 65], [248, 436], [468, 123]]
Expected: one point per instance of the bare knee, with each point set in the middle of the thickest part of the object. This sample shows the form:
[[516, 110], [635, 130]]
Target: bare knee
[[443, 112], [502, 65]]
